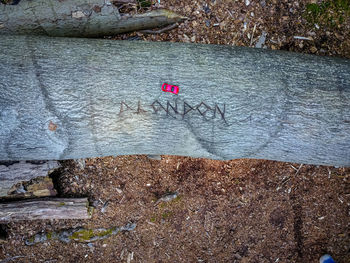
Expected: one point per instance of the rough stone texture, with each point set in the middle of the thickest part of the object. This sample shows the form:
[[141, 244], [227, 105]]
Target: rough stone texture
[[77, 98], [79, 18], [55, 208]]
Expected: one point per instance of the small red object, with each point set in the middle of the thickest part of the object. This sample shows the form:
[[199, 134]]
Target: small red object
[[170, 88]]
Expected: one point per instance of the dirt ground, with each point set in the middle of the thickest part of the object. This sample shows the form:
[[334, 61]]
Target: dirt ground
[[232, 211]]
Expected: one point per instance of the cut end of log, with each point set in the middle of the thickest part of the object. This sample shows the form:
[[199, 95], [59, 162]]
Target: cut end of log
[[27, 179], [37, 187]]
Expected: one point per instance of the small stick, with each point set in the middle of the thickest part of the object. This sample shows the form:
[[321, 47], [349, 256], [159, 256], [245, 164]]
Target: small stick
[[162, 30], [251, 39]]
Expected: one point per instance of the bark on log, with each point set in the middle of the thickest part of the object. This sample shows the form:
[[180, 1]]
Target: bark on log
[[55, 208], [76, 98], [77, 18], [27, 179]]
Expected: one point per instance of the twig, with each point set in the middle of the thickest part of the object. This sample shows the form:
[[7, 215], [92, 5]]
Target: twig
[[230, 13], [286, 180], [303, 38], [299, 169], [252, 37], [162, 30]]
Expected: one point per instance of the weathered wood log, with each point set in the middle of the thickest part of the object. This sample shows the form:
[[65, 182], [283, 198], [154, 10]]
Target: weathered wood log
[[76, 98], [27, 179], [55, 208], [77, 18]]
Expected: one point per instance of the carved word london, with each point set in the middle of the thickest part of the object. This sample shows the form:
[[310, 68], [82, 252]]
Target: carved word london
[[176, 109]]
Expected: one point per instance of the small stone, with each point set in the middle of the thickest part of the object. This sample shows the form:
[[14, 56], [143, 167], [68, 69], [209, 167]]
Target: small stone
[[206, 9], [207, 23], [245, 24], [166, 198], [261, 40], [247, 2], [237, 256], [186, 38], [104, 208], [80, 163], [153, 156]]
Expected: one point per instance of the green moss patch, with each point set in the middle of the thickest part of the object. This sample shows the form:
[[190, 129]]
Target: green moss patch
[[329, 13], [167, 214], [83, 235]]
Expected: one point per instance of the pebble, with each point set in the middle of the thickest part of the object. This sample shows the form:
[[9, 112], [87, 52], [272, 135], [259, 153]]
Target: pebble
[[245, 24], [206, 9], [104, 208], [186, 38], [167, 197], [261, 40], [80, 163], [154, 157]]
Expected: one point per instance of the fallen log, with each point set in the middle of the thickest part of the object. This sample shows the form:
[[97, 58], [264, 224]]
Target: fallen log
[[77, 18], [27, 179], [77, 98], [80, 235], [55, 208]]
